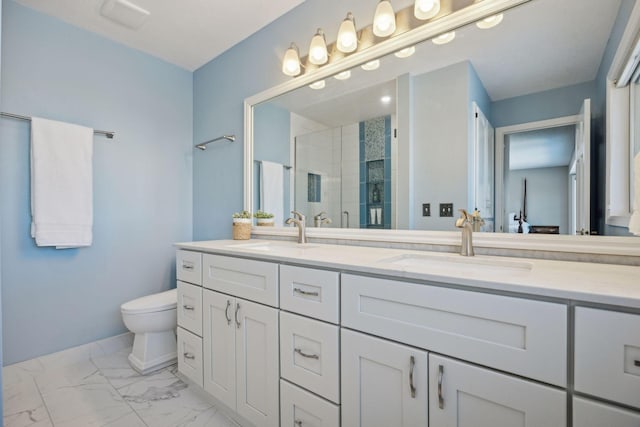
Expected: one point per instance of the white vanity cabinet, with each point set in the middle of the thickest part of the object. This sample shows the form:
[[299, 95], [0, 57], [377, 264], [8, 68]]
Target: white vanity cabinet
[[589, 413], [240, 349], [383, 383], [465, 395]]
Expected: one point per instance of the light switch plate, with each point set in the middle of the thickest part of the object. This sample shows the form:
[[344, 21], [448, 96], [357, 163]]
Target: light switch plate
[[446, 209], [426, 209]]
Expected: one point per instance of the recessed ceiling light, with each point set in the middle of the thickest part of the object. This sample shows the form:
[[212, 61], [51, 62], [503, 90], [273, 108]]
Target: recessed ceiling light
[[343, 75], [444, 38], [320, 84], [406, 52], [490, 22], [385, 99], [371, 65], [125, 13]]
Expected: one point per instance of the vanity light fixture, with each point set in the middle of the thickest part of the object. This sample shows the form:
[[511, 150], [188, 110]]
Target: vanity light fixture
[[318, 49], [291, 61], [320, 84], [347, 37], [444, 38], [343, 75], [371, 65], [490, 22], [426, 9], [406, 52], [384, 20]]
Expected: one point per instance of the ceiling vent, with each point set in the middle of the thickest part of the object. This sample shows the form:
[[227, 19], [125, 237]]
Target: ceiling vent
[[125, 13]]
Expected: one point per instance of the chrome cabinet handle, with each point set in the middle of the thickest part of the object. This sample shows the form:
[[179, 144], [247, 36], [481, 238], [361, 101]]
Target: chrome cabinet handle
[[636, 362], [301, 292], [440, 397], [307, 355], [226, 312], [188, 307], [190, 356], [236, 315], [412, 364], [187, 266]]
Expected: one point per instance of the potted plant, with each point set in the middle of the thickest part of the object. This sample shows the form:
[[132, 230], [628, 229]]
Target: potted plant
[[242, 225], [264, 218]]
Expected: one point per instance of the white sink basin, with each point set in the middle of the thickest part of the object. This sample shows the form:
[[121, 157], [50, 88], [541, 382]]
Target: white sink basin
[[271, 246], [456, 263]]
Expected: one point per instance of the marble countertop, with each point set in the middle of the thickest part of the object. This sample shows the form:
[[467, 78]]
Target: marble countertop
[[582, 282]]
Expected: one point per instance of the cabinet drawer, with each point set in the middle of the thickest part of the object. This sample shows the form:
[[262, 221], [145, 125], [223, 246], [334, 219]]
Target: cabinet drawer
[[190, 307], [311, 292], [189, 266], [587, 413], [301, 408], [461, 394], [511, 334], [607, 355], [253, 280], [309, 355], [190, 356]]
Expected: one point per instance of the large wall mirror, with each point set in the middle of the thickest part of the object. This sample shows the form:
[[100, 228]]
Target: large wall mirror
[[494, 120]]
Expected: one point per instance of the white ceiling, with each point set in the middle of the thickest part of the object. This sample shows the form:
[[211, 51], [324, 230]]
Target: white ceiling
[[188, 33], [544, 148], [541, 45]]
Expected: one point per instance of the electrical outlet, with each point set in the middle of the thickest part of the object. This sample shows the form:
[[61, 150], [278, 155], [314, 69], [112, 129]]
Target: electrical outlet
[[426, 209], [446, 209]]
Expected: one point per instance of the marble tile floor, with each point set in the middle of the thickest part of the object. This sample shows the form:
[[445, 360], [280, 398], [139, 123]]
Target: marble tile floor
[[93, 385]]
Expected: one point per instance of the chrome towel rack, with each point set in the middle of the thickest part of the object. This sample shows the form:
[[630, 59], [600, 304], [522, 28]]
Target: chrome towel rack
[[203, 145], [107, 133]]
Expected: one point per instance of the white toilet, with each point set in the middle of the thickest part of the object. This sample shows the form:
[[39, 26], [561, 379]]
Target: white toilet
[[153, 321]]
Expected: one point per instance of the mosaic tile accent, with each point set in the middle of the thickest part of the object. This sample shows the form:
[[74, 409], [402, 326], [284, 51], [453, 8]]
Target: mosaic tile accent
[[375, 173]]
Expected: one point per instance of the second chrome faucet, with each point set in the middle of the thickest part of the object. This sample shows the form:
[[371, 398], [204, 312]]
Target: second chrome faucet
[[300, 221]]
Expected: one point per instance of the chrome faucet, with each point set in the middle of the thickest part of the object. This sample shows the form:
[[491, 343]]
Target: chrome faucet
[[299, 220], [320, 219], [465, 222]]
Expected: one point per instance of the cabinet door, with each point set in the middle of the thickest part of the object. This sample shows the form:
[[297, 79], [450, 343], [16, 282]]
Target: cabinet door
[[383, 384], [219, 334], [464, 395], [589, 413], [257, 364]]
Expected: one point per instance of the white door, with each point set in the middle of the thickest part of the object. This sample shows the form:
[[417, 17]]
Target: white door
[[483, 168], [383, 383], [257, 365], [464, 395], [583, 170], [219, 337]]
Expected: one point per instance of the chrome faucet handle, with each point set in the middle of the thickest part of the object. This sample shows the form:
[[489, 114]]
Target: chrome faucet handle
[[298, 215], [464, 218]]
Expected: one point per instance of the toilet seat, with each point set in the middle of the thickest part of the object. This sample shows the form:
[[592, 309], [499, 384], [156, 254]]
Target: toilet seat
[[151, 303]]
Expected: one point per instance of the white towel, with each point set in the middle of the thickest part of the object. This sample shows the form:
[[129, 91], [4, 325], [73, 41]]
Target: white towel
[[634, 221], [61, 184], [272, 190]]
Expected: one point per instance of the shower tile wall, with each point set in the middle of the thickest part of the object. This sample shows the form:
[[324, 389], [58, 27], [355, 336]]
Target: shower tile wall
[[375, 145], [351, 174]]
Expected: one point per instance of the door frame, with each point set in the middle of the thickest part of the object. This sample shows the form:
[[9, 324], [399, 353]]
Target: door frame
[[501, 134]]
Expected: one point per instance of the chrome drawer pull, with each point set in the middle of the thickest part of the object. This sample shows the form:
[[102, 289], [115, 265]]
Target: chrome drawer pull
[[236, 315], [186, 266], [190, 356], [226, 312], [412, 364], [298, 423], [301, 292], [308, 356], [440, 397], [188, 307], [636, 362]]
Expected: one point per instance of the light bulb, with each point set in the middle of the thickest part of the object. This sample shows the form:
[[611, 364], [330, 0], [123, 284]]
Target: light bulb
[[318, 49], [320, 84], [406, 52], [371, 65], [444, 38], [384, 21], [385, 99], [426, 9], [490, 22], [291, 61], [347, 37], [343, 75]]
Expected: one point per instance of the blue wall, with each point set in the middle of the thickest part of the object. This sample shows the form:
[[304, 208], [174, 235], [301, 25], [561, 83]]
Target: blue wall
[[55, 299]]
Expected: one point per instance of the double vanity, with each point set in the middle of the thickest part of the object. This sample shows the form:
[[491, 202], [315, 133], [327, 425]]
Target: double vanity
[[327, 335]]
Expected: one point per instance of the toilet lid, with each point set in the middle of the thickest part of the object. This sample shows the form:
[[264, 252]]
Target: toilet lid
[[156, 302]]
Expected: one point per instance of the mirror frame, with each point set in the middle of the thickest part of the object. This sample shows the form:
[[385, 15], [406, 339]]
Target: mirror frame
[[604, 245]]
